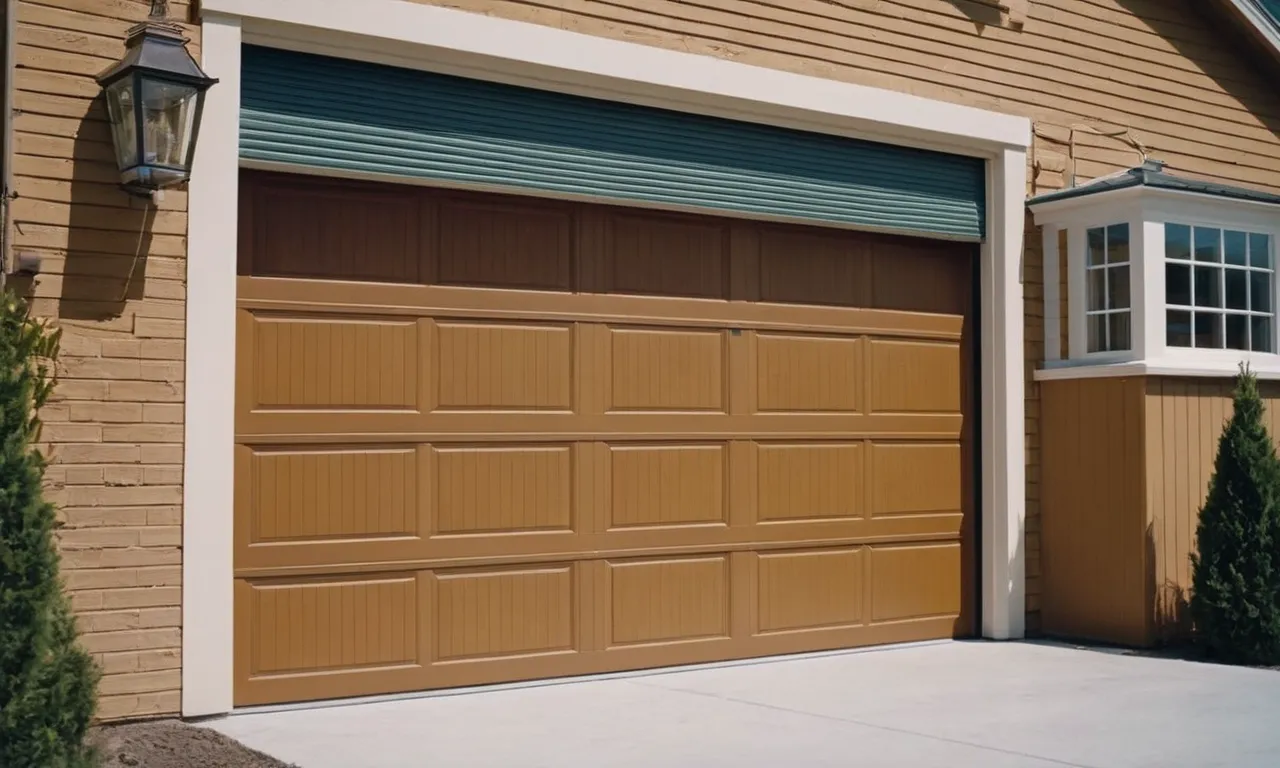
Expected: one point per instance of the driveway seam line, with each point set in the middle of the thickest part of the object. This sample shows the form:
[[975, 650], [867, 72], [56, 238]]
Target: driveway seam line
[[851, 721]]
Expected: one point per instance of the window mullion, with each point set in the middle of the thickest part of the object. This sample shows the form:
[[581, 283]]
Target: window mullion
[[1191, 332], [1106, 295]]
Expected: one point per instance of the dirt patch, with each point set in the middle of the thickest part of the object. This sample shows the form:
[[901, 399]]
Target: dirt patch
[[173, 744]]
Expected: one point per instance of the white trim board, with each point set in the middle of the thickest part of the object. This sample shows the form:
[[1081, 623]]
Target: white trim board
[[1180, 368], [455, 42], [443, 38], [208, 471]]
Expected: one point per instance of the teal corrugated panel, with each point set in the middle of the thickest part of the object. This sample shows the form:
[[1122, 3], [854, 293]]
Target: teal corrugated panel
[[322, 112]]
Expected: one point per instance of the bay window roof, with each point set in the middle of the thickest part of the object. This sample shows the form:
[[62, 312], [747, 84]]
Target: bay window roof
[[1152, 174]]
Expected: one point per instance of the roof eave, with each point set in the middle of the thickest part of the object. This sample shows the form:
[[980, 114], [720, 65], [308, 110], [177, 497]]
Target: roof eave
[[1265, 30]]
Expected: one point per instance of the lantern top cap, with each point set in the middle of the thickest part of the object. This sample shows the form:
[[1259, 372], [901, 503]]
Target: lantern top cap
[[158, 48]]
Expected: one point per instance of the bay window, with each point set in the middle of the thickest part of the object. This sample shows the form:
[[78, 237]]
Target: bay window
[[1162, 274]]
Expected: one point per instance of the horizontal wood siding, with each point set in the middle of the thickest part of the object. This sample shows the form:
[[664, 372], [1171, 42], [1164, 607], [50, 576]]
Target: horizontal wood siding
[[1157, 68], [114, 279], [1185, 418], [1096, 582]]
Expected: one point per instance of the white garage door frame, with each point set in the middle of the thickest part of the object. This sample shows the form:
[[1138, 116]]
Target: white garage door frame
[[454, 42]]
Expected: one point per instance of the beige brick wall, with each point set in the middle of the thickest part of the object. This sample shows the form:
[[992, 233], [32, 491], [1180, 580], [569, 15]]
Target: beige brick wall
[[114, 280]]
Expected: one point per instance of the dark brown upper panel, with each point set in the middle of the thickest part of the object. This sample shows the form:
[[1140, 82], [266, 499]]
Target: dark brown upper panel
[[303, 227], [326, 229]]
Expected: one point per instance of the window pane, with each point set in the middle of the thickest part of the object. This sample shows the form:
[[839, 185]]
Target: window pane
[[1118, 287], [1119, 330], [1208, 244], [1178, 328], [1260, 291], [1097, 333], [1208, 290], [1237, 331], [1096, 279], [120, 108], [1177, 241], [1237, 289], [1260, 250], [1262, 334], [1235, 247], [168, 110], [1177, 284], [1118, 244], [1097, 246], [1208, 330]]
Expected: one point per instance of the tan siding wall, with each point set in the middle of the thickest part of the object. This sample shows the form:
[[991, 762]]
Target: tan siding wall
[[1184, 419], [114, 279], [1154, 67], [1095, 582]]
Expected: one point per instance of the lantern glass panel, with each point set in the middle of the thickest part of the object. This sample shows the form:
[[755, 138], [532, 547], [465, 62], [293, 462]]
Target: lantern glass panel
[[168, 118], [121, 101]]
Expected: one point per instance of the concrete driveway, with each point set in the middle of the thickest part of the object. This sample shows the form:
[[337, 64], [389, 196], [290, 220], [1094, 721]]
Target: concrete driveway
[[954, 704]]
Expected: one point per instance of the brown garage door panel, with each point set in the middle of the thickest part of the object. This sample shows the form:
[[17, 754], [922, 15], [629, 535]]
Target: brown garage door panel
[[334, 375], [333, 505], [485, 438], [361, 634]]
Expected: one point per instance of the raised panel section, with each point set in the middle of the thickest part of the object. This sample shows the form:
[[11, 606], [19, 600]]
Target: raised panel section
[[667, 370], [915, 581], [805, 590], [503, 613], [332, 624], [320, 363], [799, 267], [334, 234], [669, 256], [808, 373], [669, 600], [491, 366], [910, 478], [506, 246], [347, 493], [664, 485], [910, 376], [810, 481], [503, 489]]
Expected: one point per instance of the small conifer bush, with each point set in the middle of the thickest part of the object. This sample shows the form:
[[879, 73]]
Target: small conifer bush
[[1235, 603], [47, 681]]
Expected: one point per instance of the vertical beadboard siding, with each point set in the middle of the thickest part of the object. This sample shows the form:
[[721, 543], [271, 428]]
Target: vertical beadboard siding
[[1185, 418], [114, 280], [1095, 582]]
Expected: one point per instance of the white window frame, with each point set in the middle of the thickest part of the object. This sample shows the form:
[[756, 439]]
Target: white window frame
[[1222, 266], [1146, 209], [1107, 268]]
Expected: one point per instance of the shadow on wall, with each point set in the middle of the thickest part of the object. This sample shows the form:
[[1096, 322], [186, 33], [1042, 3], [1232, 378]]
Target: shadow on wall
[[980, 13], [108, 231], [1197, 31], [1170, 610]]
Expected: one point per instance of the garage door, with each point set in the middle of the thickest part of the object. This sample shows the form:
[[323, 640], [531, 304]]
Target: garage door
[[486, 438]]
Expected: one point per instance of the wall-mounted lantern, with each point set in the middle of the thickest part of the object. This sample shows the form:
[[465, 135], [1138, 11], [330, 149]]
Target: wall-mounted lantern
[[155, 96]]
